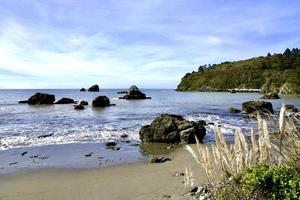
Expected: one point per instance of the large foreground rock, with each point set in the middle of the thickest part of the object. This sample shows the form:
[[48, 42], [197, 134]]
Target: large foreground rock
[[168, 128], [94, 88], [40, 98], [65, 101], [253, 107], [134, 93], [101, 101]]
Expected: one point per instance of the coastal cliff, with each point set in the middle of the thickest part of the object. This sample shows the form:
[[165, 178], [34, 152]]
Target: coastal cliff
[[272, 73]]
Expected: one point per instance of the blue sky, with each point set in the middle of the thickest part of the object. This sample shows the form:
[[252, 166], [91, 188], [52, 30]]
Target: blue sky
[[150, 43]]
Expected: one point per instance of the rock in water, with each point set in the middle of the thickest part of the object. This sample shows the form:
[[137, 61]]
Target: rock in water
[[94, 88], [134, 93], [65, 101], [168, 128], [79, 107], [84, 103], [101, 101], [252, 107], [41, 98], [271, 95], [82, 90], [233, 110], [291, 108]]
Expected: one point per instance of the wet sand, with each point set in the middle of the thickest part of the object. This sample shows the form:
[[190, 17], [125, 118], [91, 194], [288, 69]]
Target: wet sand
[[139, 181]]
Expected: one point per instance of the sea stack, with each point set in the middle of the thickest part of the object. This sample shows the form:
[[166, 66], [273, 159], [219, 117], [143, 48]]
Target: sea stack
[[134, 93], [94, 88]]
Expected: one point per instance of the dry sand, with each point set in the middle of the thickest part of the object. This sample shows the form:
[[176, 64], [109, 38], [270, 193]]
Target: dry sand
[[139, 181]]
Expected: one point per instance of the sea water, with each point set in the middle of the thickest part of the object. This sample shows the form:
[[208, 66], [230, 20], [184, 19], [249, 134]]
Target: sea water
[[75, 133]]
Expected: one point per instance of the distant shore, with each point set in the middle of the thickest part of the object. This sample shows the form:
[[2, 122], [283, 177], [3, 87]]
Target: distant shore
[[139, 181]]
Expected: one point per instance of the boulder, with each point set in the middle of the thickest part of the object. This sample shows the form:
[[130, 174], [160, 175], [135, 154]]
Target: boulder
[[134, 93], [84, 103], [271, 95], [291, 108], [65, 101], [79, 107], [168, 128], [101, 101], [82, 90], [253, 107], [41, 98], [233, 110], [94, 88]]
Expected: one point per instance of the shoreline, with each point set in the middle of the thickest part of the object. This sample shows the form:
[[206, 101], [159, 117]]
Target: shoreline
[[140, 180]]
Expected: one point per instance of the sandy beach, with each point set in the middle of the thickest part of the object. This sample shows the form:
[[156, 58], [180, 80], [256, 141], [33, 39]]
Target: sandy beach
[[143, 181]]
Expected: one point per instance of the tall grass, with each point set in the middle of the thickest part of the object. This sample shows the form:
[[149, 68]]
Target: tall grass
[[223, 159]]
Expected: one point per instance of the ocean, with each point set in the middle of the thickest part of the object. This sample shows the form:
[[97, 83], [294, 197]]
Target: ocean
[[75, 133]]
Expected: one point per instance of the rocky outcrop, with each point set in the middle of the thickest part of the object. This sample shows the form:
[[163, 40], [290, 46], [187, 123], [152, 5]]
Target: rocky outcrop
[[233, 110], [134, 93], [168, 128], [271, 95], [101, 101], [65, 101], [254, 107], [94, 88], [82, 90], [40, 98]]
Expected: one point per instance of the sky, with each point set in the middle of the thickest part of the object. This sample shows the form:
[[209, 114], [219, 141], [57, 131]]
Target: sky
[[150, 43]]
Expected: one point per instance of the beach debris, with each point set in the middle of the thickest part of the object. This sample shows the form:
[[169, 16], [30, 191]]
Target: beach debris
[[43, 158], [233, 110], [45, 136], [34, 156], [24, 153], [101, 101], [89, 154], [79, 107], [94, 88], [82, 90], [159, 159], [13, 163], [168, 128], [134, 93], [65, 100], [40, 98]]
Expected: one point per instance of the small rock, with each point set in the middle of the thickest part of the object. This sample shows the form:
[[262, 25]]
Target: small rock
[[111, 144], [82, 90], [233, 110], [89, 154], [24, 153], [166, 196], [45, 136], [271, 95], [79, 107], [291, 108], [84, 103], [65, 101], [159, 159], [124, 136], [13, 163]]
